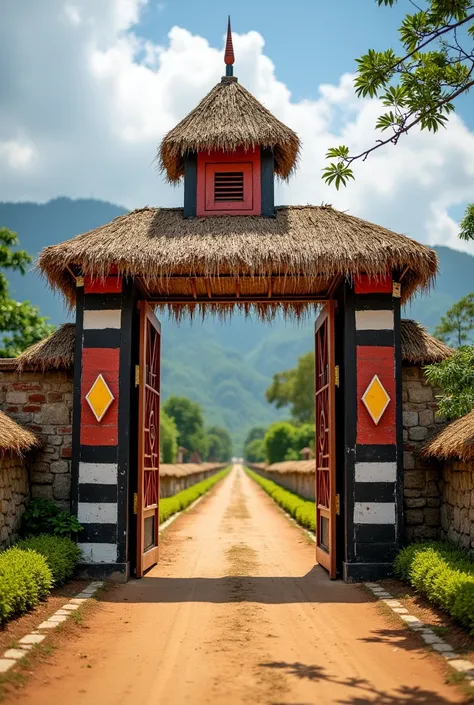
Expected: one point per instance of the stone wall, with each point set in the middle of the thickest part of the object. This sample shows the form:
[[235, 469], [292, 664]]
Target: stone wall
[[43, 403], [422, 490], [175, 478], [14, 494], [457, 502], [297, 476]]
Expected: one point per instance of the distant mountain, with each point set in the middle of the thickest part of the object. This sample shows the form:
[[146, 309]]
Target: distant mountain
[[224, 366]]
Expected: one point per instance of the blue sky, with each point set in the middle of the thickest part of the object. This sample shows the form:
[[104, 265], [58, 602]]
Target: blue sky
[[310, 41]]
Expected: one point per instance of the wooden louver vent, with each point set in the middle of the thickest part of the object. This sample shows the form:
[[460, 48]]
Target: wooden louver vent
[[228, 186]]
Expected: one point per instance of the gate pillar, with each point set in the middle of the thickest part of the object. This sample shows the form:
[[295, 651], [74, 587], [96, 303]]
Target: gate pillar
[[371, 450], [102, 417]]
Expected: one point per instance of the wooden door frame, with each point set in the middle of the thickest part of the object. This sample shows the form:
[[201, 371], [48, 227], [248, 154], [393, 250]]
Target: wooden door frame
[[324, 558], [145, 560]]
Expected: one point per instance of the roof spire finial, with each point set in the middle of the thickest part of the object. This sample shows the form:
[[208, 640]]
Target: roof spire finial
[[229, 57]]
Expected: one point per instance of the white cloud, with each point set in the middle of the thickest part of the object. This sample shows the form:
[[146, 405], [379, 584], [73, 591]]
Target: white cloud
[[92, 102]]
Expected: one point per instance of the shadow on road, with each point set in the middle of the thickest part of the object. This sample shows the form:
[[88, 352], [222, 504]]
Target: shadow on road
[[314, 587], [364, 690]]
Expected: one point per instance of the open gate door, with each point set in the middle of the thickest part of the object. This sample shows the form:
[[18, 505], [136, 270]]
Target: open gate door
[[148, 496], [325, 440]]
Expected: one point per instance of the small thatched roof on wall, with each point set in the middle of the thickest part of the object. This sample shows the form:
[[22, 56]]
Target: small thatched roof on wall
[[57, 351], [227, 118], [14, 439], [299, 252], [419, 347], [456, 440]]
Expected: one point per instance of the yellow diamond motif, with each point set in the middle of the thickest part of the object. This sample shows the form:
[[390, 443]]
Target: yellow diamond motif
[[375, 399], [99, 398]]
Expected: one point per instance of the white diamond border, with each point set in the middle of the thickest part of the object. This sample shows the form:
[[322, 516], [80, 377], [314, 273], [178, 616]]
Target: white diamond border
[[12, 656], [99, 418], [376, 377], [430, 637]]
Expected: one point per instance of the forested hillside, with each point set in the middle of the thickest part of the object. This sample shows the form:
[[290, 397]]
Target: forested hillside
[[224, 366]]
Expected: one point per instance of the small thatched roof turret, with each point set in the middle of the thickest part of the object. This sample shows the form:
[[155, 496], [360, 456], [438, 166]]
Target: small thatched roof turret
[[455, 441], [228, 117], [419, 347]]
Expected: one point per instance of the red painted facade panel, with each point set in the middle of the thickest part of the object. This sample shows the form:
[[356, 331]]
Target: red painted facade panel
[[106, 285], [380, 361], [363, 284], [104, 361], [240, 160]]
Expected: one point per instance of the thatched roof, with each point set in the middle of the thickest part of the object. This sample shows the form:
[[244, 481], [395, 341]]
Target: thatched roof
[[300, 252], [14, 438], [228, 117], [419, 347], [303, 467], [53, 353], [456, 440], [185, 469], [57, 351]]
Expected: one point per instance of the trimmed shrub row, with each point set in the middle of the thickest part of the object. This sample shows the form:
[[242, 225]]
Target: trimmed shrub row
[[61, 554], [442, 573], [181, 500], [29, 570], [300, 509]]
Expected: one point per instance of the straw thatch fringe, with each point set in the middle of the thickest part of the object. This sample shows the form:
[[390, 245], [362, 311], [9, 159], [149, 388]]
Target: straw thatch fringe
[[455, 441], [313, 244], [419, 347], [14, 438], [227, 118], [57, 351], [53, 353]]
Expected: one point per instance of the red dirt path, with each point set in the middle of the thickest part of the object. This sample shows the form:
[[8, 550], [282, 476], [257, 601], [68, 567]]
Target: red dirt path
[[237, 613]]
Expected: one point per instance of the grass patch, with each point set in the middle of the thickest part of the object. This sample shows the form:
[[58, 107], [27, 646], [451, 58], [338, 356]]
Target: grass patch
[[302, 510], [444, 575], [181, 500], [60, 552]]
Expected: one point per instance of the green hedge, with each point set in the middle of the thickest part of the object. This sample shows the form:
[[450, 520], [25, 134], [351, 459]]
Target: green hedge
[[24, 579], [181, 500], [300, 509], [60, 552], [442, 573]]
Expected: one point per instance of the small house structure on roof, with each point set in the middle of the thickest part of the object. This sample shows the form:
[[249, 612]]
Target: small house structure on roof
[[231, 247]]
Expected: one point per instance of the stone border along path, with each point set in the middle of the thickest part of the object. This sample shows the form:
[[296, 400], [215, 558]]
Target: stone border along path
[[12, 656], [430, 638]]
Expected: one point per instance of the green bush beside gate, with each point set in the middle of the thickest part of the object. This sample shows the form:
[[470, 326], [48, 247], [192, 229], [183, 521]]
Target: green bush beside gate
[[302, 510], [181, 500], [442, 573]]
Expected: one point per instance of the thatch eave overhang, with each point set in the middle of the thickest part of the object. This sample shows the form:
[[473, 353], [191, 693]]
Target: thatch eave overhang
[[239, 260], [14, 438]]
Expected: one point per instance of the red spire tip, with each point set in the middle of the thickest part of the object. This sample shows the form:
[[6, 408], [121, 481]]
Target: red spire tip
[[229, 57]]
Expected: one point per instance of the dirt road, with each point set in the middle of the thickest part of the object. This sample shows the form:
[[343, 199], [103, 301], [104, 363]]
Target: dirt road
[[237, 613]]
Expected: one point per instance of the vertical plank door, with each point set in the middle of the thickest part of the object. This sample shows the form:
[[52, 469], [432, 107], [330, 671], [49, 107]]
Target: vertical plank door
[[148, 496], [325, 450]]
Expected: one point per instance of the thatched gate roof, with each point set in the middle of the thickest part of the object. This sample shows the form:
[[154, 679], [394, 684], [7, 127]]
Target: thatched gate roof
[[227, 118], [296, 255]]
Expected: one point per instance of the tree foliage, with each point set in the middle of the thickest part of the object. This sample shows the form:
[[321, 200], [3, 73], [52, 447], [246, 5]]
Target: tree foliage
[[457, 325], [168, 438], [418, 85], [455, 378], [20, 323], [220, 444], [189, 421], [279, 439], [295, 388], [255, 451]]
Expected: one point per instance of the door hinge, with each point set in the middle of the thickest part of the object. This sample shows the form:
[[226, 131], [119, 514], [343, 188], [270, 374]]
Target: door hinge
[[79, 282], [337, 503], [137, 375], [396, 290], [135, 503], [336, 376]]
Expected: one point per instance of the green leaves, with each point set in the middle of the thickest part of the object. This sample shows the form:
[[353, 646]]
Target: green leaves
[[337, 173], [455, 377], [467, 224]]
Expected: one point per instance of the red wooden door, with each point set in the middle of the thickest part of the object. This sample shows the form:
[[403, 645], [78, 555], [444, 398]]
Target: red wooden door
[[148, 495], [325, 440]]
